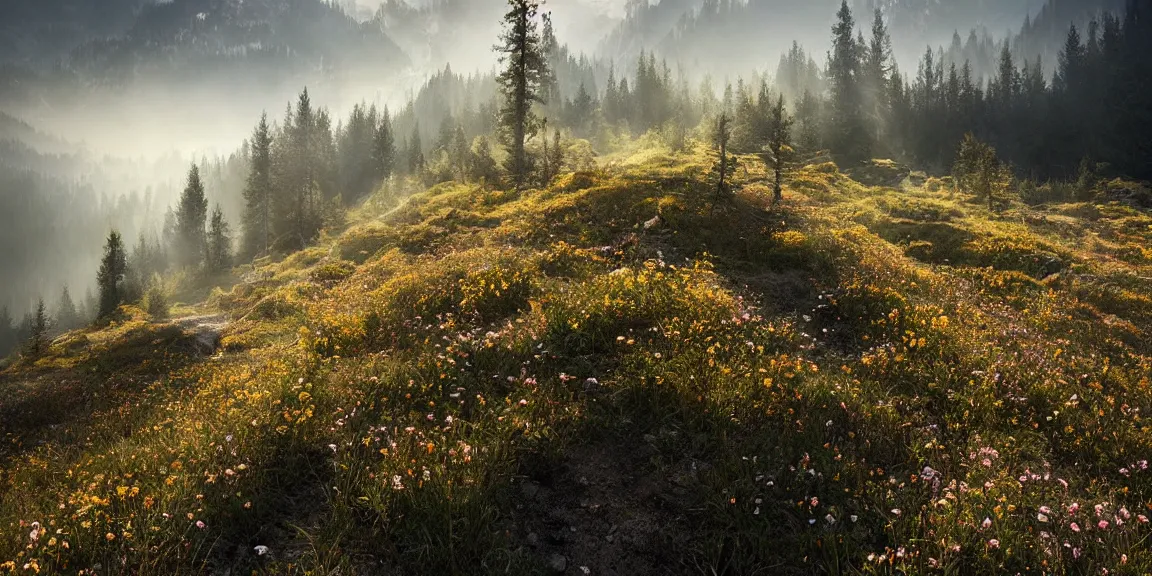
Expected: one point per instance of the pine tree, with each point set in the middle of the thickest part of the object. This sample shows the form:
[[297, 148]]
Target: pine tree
[[580, 111], [809, 118], [384, 148], [779, 146], [848, 136], [219, 243], [521, 83], [111, 275], [258, 193], [458, 153], [557, 159], [66, 316], [482, 166], [979, 172], [191, 215], [155, 299], [37, 343], [415, 151], [877, 68], [721, 137]]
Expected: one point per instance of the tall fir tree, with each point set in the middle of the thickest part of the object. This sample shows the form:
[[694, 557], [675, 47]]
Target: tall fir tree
[[384, 148], [37, 344], [219, 243], [67, 317], [111, 275], [848, 135], [258, 194], [877, 71], [191, 216], [415, 151], [521, 84], [779, 146]]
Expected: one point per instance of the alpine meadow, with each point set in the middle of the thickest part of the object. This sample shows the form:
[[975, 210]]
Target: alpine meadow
[[576, 287]]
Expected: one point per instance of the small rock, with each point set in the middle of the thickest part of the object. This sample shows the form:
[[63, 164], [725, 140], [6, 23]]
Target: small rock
[[558, 563]]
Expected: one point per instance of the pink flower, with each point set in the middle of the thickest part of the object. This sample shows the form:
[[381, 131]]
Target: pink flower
[[1142, 518], [200, 524], [1123, 558], [814, 502], [986, 523], [1073, 508], [987, 463], [1074, 526], [1076, 553], [1103, 524], [1045, 510], [1099, 509], [993, 543]]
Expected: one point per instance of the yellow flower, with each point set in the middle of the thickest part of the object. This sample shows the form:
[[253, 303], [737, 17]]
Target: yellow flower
[[109, 536]]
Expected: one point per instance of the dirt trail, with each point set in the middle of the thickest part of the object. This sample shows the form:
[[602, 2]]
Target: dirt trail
[[605, 513]]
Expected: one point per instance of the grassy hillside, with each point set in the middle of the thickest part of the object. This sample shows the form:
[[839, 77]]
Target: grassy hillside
[[611, 375]]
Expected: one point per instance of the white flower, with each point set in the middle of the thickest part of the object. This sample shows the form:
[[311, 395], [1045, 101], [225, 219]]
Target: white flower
[[261, 550], [853, 517]]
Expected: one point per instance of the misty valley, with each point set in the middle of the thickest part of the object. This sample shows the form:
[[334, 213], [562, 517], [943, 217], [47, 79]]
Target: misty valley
[[714, 287]]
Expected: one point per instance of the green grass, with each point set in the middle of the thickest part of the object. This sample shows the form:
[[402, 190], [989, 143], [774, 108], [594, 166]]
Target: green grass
[[862, 380]]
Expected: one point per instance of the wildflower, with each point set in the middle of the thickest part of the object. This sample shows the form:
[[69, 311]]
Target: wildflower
[[1099, 510], [811, 521], [756, 512], [332, 447], [200, 524], [1074, 526], [830, 519], [34, 535], [993, 543], [228, 438], [814, 502], [1073, 508], [1103, 524], [896, 511], [261, 550], [1123, 558], [1076, 553], [1042, 517], [987, 463], [523, 402], [853, 518], [109, 536], [1045, 510], [986, 523], [1142, 518]]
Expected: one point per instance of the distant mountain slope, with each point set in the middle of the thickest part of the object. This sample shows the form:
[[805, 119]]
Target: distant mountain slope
[[38, 32], [739, 34]]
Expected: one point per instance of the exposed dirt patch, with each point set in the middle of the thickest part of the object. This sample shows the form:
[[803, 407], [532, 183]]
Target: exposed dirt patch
[[606, 513]]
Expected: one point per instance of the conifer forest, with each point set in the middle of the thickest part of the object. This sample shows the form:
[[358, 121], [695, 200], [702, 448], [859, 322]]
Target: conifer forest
[[575, 287]]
